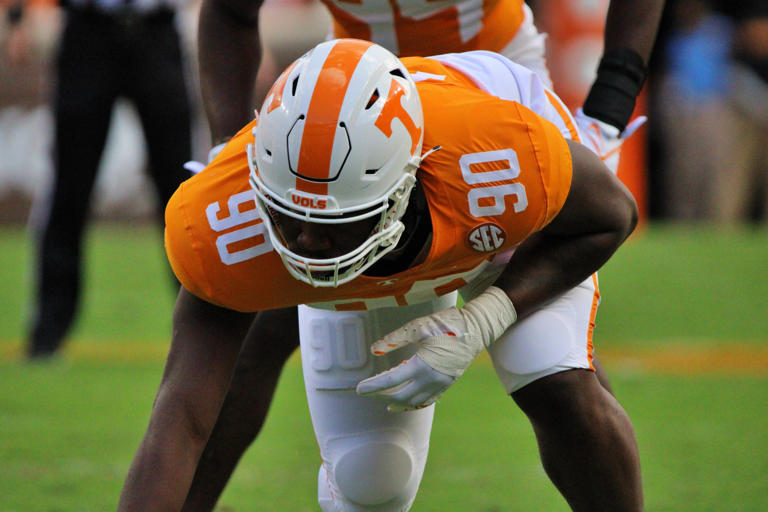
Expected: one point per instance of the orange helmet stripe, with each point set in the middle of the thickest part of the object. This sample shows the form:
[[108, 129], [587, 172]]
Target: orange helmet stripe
[[312, 187], [323, 112]]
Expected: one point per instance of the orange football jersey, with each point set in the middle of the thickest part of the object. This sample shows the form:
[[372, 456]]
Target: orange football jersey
[[427, 27], [502, 173]]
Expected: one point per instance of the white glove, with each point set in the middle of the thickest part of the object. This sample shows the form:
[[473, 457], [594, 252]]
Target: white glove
[[605, 139], [449, 341], [195, 167]]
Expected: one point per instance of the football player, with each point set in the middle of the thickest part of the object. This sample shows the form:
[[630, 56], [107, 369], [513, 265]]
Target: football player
[[229, 59], [367, 193]]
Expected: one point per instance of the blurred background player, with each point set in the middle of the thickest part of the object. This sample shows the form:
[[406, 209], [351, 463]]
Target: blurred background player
[[229, 56], [698, 119], [229, 45], [360, 215], [709, 113], [108, 50], [744, 192]]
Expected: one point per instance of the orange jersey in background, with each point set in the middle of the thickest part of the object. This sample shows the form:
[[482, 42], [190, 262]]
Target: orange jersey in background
[[503, 173], [425, 27]]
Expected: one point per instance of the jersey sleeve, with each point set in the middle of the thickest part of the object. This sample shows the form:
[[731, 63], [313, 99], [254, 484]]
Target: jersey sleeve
[[187, 268], [505, 163], [514, 98], [553, 158], [193, 225]]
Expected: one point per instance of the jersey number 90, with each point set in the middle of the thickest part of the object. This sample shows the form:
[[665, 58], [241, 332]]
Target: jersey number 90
[[249, 227], [490, 200]]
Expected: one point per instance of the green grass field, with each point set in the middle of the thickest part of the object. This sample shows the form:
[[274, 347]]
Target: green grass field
[[683, 330]]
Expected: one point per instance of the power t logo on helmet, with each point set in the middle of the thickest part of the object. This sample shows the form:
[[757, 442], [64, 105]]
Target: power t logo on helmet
[[393, 109], [338, 141]]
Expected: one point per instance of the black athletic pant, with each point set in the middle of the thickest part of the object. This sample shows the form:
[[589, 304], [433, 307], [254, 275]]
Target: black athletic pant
[[103, 57]]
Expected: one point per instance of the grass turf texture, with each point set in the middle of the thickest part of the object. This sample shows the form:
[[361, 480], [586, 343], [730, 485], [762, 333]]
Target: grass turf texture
[[68, 430]]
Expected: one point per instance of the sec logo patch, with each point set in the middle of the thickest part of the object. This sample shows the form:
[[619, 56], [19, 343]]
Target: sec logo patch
[[486, 237]]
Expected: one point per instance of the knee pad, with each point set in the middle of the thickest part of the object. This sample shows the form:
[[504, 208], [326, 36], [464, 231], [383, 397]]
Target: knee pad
[[377, 474]]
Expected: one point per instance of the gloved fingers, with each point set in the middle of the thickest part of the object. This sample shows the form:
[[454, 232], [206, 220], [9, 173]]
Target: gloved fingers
[[412, 332], [409, 384], [427, 397], [388, 343], [194, 166], [419, 401], [633, 126], [447, 322], [400, 394], [215, 150], [406, 408], [421, 391], [387, 382]]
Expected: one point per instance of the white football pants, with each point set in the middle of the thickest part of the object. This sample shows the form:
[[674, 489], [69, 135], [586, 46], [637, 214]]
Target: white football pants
[[373, 460]]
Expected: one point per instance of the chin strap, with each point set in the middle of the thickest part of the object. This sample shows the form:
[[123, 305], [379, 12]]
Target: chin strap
[[416, 160]]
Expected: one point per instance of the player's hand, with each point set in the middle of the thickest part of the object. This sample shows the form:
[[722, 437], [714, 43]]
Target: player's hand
[[413, 384], [448, 340], [195, 167], [605, 139]]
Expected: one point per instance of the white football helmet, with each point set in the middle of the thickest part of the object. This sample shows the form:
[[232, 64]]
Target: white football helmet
[[338, 140]]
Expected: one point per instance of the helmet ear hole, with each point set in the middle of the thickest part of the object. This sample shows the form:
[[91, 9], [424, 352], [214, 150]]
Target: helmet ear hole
[[397, 72], [294, 85], [373, 99]]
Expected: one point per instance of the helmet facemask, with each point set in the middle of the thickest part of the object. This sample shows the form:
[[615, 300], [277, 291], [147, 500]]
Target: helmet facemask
[[332, 272]]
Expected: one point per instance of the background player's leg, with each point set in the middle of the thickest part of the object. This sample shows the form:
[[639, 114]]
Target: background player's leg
[[84, 96], [158, 87]]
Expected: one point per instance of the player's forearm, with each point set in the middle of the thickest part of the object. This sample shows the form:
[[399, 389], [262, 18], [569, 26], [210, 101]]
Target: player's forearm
[[164, 464], [206, 342], [272, 338], [633, 24], [598, 215], [545, 266], [623, 66], [183, 416], [229, 58]]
